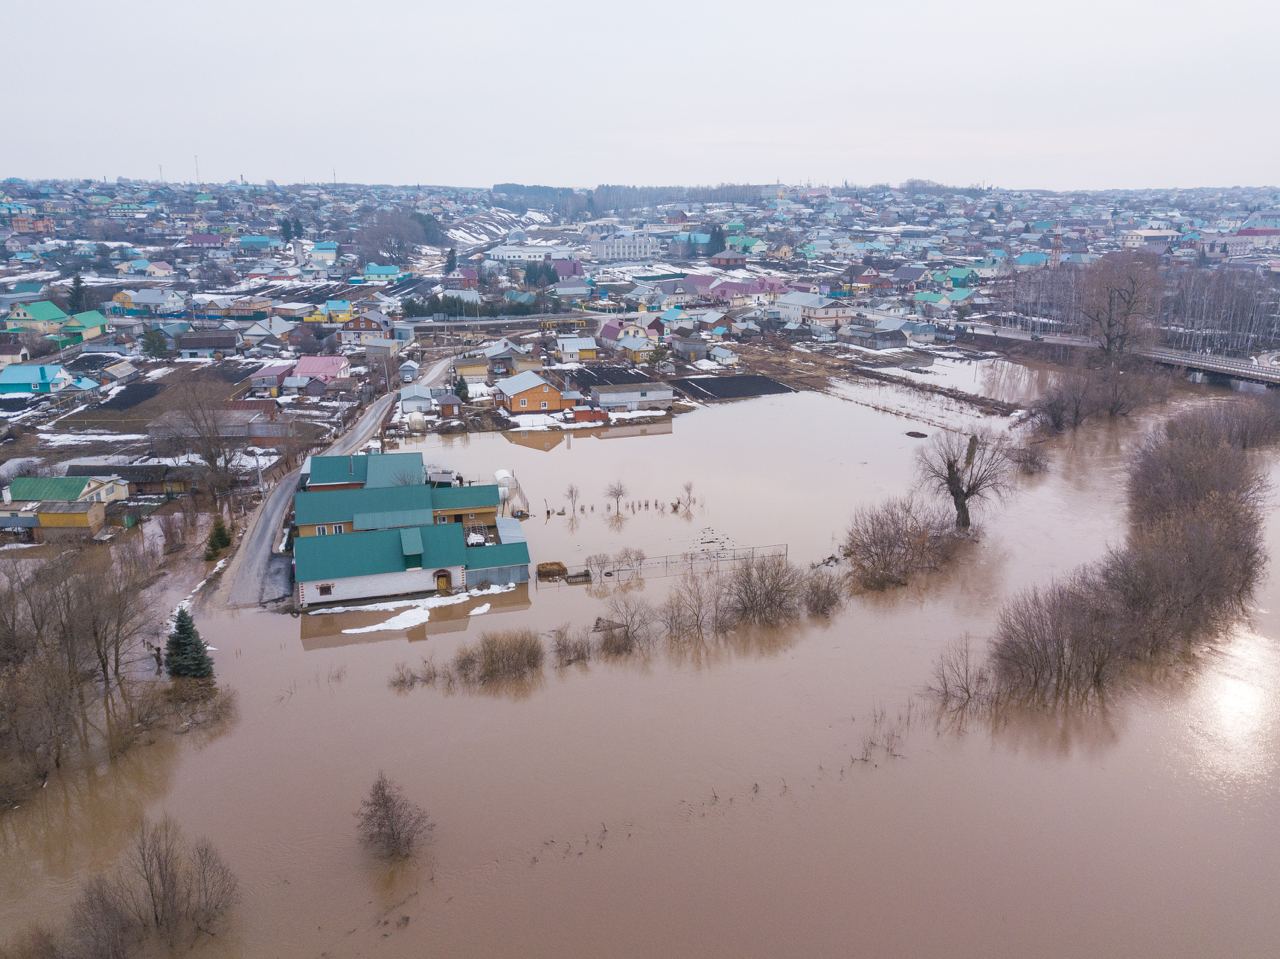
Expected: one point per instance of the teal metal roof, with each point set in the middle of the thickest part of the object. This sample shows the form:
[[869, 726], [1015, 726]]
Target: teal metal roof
[[376, 552], [43, 311], [65, 488], [492, 557], [393, 519], [394, 469], [327, 470], [410, 542], [464, 497], [342, 505]]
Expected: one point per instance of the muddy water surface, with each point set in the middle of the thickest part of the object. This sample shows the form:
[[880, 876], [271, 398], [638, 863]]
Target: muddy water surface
[[716, 802]]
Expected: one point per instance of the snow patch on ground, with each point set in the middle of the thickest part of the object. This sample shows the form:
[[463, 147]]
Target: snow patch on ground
[[415, 612], [480, 610], [77, 439]]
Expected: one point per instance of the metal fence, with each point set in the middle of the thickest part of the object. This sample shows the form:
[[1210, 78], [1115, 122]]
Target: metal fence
[[623, 568]]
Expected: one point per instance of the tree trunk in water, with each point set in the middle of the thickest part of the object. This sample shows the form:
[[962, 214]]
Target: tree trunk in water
[[962, 511]]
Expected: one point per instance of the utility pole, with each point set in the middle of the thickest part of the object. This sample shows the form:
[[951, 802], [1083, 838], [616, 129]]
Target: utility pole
[[197, 168]]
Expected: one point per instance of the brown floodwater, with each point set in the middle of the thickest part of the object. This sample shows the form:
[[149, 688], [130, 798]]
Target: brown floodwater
[[716, 802]]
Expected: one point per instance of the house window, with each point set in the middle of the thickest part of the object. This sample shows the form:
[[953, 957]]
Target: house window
[[322, 531], [326, 589], [524, 402], [338, 529], [544, 404]]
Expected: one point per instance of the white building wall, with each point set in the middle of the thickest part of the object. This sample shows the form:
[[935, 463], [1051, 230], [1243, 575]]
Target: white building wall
[[382, 584]]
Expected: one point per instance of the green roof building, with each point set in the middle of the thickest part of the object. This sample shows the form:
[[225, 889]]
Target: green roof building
[[63, 489]]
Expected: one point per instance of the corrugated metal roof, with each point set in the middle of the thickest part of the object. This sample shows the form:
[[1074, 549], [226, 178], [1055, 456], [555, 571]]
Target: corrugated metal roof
[[65, 488]]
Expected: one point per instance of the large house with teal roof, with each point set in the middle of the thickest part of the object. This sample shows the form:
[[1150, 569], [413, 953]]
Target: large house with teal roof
[[376, 525], [38, 378]]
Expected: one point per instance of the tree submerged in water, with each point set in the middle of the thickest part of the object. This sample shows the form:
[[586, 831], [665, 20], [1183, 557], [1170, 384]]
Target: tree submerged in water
[[186, 656]]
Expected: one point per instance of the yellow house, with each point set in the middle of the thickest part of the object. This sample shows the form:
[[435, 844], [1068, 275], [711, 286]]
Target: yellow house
[[59, 520], [40, 317]]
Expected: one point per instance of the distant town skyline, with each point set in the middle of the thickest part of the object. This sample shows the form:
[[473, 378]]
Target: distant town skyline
[[1091, 96]]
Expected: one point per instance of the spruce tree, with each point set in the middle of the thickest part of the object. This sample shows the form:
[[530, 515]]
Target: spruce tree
[[451, 262], [185, 655], [219, 538], [461, 391], [77, 299]]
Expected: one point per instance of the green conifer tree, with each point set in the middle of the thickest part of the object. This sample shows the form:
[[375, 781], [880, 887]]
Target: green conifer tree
[[185, 655]]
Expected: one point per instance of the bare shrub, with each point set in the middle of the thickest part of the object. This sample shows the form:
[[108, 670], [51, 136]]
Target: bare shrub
[[822, 593], [630, 628], [764, 591], [511, 655], [1029, 459], [1247, 423], [569, 646], [959, 679], [390, 823], [167, 889], [887, 544], [597, 564], [1191, 459], [173, 531], [629, 558], [1057, 643], [1189, 567]]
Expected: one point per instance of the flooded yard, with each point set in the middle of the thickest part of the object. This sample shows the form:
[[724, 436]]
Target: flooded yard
[[717, 801]]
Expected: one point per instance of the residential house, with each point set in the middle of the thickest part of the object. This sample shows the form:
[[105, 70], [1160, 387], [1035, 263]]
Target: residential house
[[83, 326], [638, 349], [323, 368], [729, 259], [688, 348], [576, 349], [367, 470], [12, 351], [409, 370], [149, 302], [633, 396], [271, 377], [813, 308], [273, 326], [145, 479], [208, 345], [324, 253], [359, 329], [40, 317], [34, 378], [374, 273], [528, 392]]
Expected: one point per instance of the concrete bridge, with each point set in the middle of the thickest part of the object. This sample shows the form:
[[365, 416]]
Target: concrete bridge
[[1219, 365]]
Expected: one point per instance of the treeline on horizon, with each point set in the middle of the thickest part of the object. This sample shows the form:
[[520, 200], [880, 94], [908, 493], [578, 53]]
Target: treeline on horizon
[[572, 202]]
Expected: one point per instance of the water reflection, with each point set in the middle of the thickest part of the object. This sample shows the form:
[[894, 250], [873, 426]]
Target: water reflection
[[320, 630], [1233, 712]]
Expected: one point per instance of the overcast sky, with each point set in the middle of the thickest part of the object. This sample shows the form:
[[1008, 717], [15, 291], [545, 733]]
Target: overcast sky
[[1017, 93]]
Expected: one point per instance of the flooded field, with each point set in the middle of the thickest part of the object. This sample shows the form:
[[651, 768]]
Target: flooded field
[[717, 801]]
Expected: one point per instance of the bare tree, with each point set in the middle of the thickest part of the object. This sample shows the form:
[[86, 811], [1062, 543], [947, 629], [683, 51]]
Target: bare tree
[[390, 823], [965, 468], [1120, 300], [686, 501], [203, 422], [616, 491], [571, 494]]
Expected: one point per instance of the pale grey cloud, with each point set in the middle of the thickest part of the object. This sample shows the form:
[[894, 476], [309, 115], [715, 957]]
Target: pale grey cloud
[[1086, 94]]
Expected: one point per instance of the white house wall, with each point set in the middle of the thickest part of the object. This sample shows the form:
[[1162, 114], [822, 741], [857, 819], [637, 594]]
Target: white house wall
[[381, 584]]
